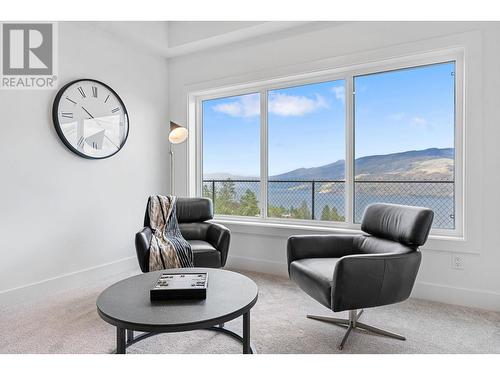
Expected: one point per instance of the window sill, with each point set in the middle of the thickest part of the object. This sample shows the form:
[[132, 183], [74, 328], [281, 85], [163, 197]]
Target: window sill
[[273, 227], [436, 242]]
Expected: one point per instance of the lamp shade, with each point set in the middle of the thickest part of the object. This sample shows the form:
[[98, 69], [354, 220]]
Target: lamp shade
[[178, 134]]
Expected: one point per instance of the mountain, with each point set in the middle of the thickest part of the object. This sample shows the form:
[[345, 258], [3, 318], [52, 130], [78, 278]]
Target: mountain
[[429, 164], [227, 176]]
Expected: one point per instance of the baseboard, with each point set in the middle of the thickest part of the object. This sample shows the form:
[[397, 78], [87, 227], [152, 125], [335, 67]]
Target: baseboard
[[429, 291], [78, 279], [482, 299], [257, 265]]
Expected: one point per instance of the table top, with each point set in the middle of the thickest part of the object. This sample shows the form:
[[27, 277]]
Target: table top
[[126, 304]]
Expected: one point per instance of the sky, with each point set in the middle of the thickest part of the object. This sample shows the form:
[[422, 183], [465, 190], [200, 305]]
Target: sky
[[410, 109]]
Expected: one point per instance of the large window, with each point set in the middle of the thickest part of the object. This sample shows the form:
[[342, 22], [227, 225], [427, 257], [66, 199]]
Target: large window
[[322, 150], [404, 140], [231, 156], [306, 132]]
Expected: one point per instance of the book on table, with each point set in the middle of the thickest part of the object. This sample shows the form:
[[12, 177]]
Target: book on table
[[187, 285]]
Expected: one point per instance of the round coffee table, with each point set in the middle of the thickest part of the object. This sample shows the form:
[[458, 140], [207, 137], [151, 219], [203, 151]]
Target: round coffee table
[[127, 306]]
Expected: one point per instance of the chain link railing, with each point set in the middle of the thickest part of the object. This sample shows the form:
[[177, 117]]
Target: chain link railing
[[233, 197], [325, 200], [436, 195], [306, 200]]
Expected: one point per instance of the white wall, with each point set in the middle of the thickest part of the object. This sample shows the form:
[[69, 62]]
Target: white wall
[[60, 213], [265, 248]]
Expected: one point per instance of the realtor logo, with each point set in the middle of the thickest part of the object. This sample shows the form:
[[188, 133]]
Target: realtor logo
[[28, 55]]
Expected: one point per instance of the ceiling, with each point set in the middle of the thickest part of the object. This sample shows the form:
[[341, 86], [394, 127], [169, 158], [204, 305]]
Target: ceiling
[[177, 38]]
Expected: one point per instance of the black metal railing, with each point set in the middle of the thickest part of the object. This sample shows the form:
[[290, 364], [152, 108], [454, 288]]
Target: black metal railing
[[325, 199]]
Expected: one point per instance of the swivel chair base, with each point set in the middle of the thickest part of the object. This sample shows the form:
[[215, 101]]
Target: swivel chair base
[[352, 323]]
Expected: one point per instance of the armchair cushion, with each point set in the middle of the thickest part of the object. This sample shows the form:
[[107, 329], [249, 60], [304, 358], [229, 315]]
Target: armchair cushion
[[320, 246], [219, 237], [204, 254], [362, 281], [194, 210], [405, 224], [315, 277], [194, 231]]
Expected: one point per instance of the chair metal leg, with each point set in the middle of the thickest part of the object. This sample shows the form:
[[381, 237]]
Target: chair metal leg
[[381, 331], [359, 314], [341, 322], [352, 324], [349, 329]]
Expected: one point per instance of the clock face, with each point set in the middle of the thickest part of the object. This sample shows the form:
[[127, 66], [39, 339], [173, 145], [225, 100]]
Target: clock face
[[90, 118]]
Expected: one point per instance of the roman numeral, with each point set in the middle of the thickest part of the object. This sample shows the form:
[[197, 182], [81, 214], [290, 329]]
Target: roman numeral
[[94, 145], [67, 114], [115, 110], [94, 91], [82, 93], [107, 97], [70, 100], [80, 142]]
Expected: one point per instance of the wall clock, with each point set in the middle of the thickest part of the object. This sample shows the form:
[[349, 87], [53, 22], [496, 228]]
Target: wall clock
[[90, 118]]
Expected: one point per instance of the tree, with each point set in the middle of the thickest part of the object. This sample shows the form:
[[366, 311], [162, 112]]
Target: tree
[[302, 212], [334, 215], [325, 214], [331, 214], [207, 191], [249, 206], [275, 211], [225, 199]]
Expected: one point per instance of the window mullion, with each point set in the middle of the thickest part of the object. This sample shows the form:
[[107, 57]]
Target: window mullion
[[263, 154], [349, 149]]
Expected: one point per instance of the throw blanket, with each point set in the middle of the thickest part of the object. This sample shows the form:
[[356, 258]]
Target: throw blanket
[[168, 248]]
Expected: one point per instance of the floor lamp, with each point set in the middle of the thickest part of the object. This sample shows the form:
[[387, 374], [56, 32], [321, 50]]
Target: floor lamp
[[177, 135]]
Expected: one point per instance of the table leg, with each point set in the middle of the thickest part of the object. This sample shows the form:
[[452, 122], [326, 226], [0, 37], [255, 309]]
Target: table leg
[[130, 335], [246, 333], [120, 340]]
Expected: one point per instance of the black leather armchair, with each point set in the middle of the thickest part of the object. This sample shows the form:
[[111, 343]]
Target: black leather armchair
[[209, 241], [351, 272]]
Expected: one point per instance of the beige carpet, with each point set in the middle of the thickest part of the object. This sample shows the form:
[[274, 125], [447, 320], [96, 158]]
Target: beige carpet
[[68, 323]]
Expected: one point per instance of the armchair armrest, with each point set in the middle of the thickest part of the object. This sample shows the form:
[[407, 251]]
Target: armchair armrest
[[219, 237], [142, 242], [369, 280], [319, 246]]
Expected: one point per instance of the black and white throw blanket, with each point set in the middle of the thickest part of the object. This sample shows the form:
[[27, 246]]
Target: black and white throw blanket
[[168, 249]]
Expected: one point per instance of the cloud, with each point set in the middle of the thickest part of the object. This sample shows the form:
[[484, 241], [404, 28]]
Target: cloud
[[244, 106], [414, 121], [396, 116], [290, 105], [339, 92], [279, 104], [419, 122]]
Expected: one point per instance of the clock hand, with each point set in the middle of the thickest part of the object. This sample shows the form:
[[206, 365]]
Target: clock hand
[[100, 125], [97, 120], [87, 112]]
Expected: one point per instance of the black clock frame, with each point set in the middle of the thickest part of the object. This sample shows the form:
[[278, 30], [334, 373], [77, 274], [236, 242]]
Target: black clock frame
[[59, 131]]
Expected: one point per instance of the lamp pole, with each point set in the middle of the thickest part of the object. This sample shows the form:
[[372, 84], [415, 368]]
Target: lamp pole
[[177, 134], [171, 171]]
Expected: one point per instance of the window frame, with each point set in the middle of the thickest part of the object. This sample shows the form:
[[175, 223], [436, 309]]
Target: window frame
[[346, 73]]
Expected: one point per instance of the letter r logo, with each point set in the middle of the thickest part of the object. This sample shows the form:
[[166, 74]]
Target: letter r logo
[[27, 49]]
